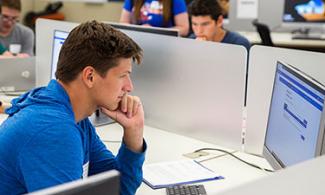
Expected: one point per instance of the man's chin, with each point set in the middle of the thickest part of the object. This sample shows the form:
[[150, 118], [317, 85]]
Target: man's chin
[[112, 107]]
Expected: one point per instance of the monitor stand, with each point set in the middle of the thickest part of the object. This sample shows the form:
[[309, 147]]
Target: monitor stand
[[98, 119]]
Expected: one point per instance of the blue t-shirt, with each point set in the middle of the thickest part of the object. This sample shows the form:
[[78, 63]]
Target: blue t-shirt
[[235, 38], [232, 38], [152, 12], [41, 145]]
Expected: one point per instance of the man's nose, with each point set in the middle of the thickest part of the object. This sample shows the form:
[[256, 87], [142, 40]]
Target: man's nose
[[199, 29], [129, 86]]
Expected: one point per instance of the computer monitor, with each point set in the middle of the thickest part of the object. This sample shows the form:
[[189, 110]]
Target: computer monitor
[[58, 40], [103, 183], [306, 15], [295, 128], [147, 29]]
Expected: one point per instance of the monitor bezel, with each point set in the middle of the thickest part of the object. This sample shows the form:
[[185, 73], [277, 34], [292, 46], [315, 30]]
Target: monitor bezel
[[53, 44], [76, 187], [146, 29], [267, 153]]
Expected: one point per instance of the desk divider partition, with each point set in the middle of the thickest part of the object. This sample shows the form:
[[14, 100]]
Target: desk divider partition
[[188, 87], [192, 88], [262, 64], [301, 179]]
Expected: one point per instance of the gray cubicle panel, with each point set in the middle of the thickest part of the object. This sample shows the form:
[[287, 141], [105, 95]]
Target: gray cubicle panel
[[44, 43], [192, 88], [301, 179], [270, 13], [262, 64], [236, 24]]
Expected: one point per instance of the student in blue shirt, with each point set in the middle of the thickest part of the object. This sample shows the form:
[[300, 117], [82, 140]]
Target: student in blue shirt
[[207, 21], [157, 13], [48, 140]]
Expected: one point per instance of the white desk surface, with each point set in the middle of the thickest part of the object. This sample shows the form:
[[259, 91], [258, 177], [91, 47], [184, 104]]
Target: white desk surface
[[166, 146], [283, 39]]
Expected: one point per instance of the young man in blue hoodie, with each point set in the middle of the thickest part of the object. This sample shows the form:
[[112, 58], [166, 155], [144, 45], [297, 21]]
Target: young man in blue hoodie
[[48, 140]]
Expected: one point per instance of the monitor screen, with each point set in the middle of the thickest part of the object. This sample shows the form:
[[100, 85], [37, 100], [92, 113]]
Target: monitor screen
[[156, 30], [103, 183], [58, 40], [308, 11], [296, 122]]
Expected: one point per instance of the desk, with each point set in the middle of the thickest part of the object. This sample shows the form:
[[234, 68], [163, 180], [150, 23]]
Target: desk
[[166, 146], [284, 39]]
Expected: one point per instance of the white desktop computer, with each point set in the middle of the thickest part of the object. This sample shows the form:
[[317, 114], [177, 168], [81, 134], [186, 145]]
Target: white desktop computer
[[307, 16], [295, 129]]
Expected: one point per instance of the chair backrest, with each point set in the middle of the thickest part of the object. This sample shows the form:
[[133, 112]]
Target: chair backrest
[[264, 32]]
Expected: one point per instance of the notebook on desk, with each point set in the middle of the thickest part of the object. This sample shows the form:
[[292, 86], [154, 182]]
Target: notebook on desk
[[17, 74]]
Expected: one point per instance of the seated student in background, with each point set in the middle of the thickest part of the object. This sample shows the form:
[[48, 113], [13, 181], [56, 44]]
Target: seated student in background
[[13, 34], [207, 20], [48, 139], [224, 4], [4, 53], [3, 50], [157, 13]]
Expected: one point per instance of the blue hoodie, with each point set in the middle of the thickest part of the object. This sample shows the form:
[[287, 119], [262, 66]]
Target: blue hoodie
[[41, 145]]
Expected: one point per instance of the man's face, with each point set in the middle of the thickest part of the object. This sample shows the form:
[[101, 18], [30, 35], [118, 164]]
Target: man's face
[[205, 27], [9, 17], [108, 91]]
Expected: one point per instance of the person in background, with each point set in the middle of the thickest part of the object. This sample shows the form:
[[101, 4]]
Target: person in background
[[4, 53], [48, 139], [2, 49], [224, 4], [16, 38], [157, 13], [207, 24]]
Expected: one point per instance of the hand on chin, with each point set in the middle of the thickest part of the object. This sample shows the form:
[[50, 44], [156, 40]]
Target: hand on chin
[[202, 38]]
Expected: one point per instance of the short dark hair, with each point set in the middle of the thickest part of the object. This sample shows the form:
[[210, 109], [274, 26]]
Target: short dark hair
[[12, 4], [205, 8], [94, 44]]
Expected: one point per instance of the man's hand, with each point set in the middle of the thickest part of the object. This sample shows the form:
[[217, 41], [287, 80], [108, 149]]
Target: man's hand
[[22, 55], [131, 116], [201, 38], [146, 25]]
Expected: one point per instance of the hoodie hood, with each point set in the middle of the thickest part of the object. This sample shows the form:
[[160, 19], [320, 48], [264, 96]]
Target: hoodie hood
[[52, 94]]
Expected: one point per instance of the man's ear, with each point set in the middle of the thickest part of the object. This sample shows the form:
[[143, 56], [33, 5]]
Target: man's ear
[[220, 21], [88, 74]]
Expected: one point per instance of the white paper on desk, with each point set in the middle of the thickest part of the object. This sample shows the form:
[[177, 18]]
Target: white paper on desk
[[247, 9], [159, 175]]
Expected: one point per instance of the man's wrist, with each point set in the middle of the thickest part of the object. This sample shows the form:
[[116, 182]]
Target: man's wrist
[[133, 141]]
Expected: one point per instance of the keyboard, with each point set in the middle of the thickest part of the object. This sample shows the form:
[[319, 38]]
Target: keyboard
[[186, 190], [308, 37]]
